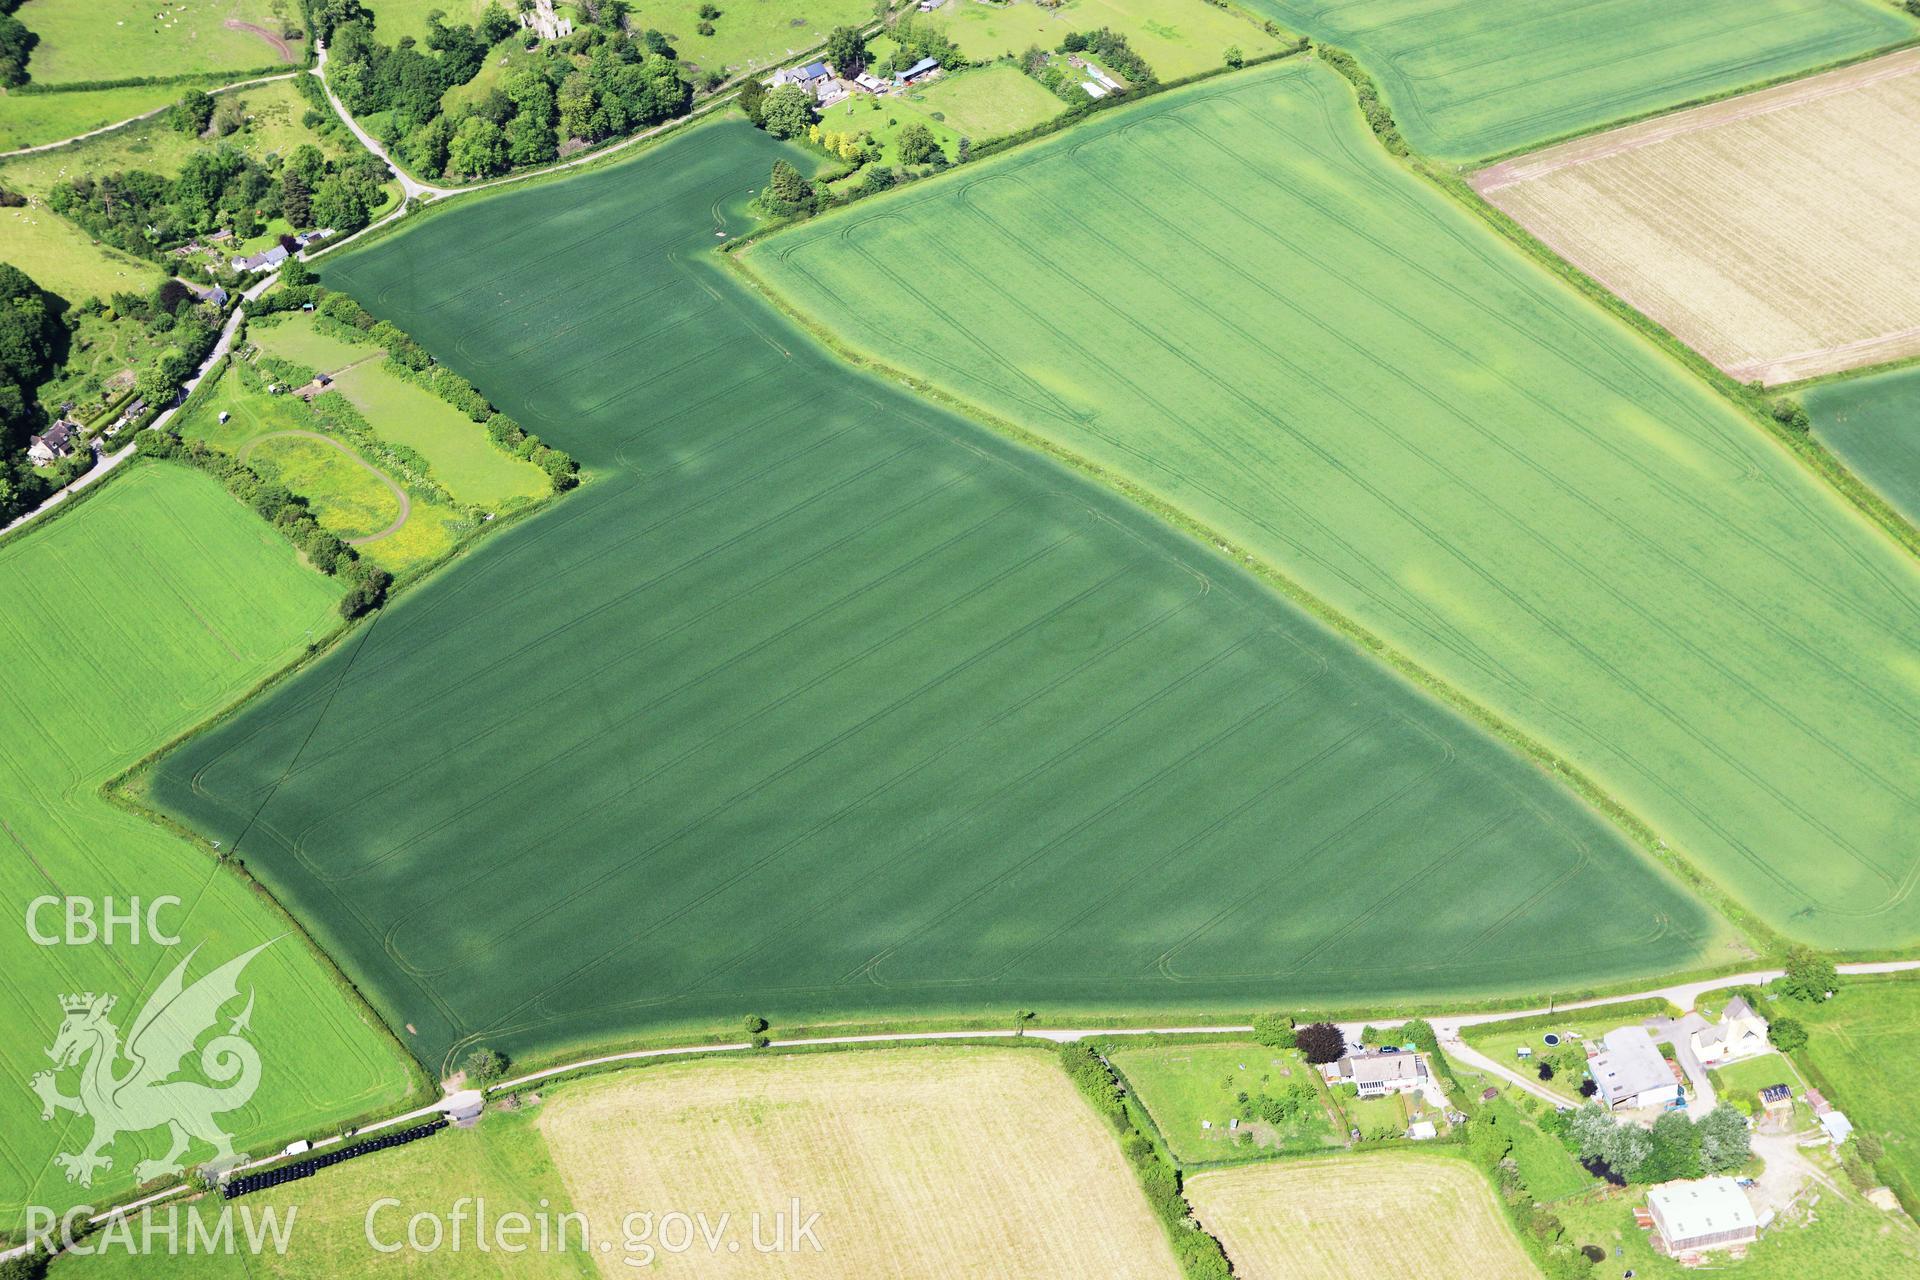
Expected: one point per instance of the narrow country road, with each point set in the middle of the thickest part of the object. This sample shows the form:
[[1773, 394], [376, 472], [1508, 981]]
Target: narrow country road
[[1446, 1027], [109, 461], [144, 115]]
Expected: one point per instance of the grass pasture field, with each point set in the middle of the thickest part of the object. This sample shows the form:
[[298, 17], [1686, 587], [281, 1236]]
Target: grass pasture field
[[1355, 1217], [1473, 79], [823, 702], [121, 629], [285, 439], [1775, 233], [990, 102], [65, 260], [462, 457], [1182, 1085], [1863, 1051], [1873, 423], [937, 1162], [273, 126], [120, 39], [502, 1162], [1178, 38], [1271, 326], [33, 119], [748, 34]]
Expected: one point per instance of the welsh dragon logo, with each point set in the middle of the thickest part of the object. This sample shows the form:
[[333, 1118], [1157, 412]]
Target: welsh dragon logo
[[130, 1089]]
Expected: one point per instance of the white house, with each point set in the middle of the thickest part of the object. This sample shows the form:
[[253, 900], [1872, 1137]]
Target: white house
[[1710, 1213], [1630, 1072], [1377, 1074], [1740, 1033], [56, 443]]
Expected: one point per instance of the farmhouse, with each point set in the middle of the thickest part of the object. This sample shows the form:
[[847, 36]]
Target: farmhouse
[[812, 77], [55, 444], [1740, 1033], [1377, 1074], [263, 261], [1630, 1071], [1712, 1213]]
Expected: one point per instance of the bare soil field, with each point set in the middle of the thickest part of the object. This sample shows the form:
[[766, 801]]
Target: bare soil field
[[925, 1162], [1348, 1218], [1777, 233]]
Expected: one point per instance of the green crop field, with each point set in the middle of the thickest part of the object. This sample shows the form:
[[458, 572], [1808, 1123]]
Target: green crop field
[[1873, 423], [1471, 79], [1231, 296], [1182, 1085], [817, 701], [503, 1162], [122, 628], [31, 119], [1863, 1051], [987, 103], [748, 33], [1177, 37], [121, 39]]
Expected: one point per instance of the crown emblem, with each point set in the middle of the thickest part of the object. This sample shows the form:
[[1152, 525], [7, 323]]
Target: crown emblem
[[83, 1003]]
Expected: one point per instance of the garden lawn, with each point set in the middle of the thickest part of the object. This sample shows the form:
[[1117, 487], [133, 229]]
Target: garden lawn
[[1230, 296], [818, 701], [1178, 38], [1863, 1053], [1181, 1085], [989, 102], [124, 39], [1840, 1235], [1471, 79], [31, 119], [748, 34], [126, 623], [1500, 1044], [502, 1161], [1873, 423], [1746, 1078], [884, 118]]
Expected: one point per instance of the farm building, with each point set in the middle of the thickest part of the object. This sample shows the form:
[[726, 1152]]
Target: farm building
[[1630, 1071], [1837, 1126], [1711, 1213], [1740, 1033], [918, 71], [56, 443], [1378, 1074], [1817, 1101], [1777, 1099]]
